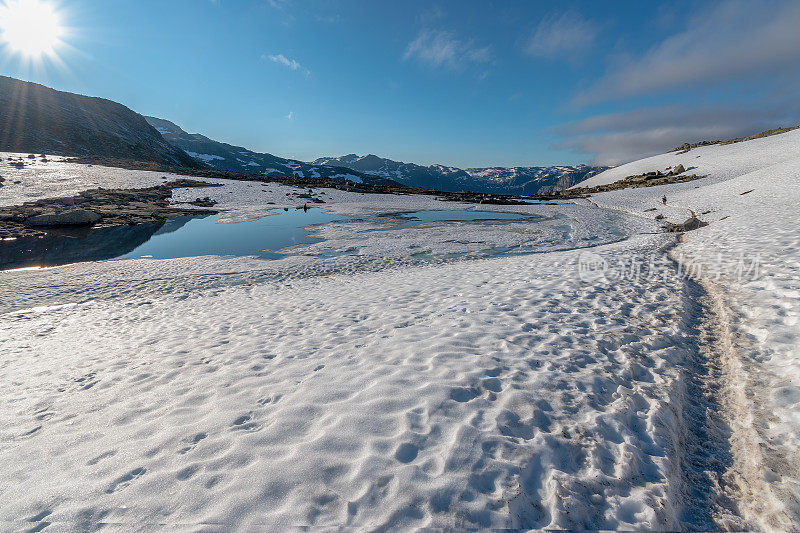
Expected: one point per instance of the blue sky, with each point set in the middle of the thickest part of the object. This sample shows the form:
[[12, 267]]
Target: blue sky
[[461, 83]]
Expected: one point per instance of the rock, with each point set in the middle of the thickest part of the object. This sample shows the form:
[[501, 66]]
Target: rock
[[63, 201], [76, 217], [677, 170], [691, 224], [204, 202]]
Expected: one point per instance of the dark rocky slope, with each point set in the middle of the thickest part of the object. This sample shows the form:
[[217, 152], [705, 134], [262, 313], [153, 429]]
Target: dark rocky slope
[[37, 119]]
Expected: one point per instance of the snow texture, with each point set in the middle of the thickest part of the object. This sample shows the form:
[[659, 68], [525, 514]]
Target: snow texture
[[370, 391], [748, 260]]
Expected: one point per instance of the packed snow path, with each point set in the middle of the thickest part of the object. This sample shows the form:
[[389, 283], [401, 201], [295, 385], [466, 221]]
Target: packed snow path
[[748, 263]]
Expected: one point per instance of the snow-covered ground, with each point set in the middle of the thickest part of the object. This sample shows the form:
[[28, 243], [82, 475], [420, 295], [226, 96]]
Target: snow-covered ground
[[527, 391], [748, 261]]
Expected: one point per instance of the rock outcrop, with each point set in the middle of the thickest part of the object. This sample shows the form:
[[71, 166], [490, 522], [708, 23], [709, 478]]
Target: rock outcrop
[[690, 224], [75, 217], [37, 119], [97, 207]]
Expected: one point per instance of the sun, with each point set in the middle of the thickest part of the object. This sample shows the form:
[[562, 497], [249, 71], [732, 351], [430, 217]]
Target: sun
[[31, 28]]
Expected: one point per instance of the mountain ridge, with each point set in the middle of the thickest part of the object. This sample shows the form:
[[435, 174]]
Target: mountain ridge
[[374, 169], [495, 180], [38, 119], [223, 156]]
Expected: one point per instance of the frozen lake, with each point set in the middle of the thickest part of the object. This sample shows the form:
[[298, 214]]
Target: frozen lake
[[268, 237]]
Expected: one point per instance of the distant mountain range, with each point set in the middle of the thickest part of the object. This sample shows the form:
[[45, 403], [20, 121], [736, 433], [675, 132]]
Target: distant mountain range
[[222, 156], [374, 169], [37, 119], [497, 180]]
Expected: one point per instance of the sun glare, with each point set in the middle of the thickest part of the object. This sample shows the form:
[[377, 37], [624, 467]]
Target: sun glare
[[30, 27]]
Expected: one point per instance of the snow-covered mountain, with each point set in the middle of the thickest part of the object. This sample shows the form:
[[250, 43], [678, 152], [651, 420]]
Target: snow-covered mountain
[[711, 158], [223, 156], [532, 180], [434, 177], [374, 169], [514, 180]]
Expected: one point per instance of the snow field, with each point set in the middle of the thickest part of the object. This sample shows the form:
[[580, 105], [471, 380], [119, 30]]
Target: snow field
[[487, 393], [496, 393]]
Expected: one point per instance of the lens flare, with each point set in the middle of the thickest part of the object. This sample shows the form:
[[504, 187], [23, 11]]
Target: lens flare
[[31, 28]]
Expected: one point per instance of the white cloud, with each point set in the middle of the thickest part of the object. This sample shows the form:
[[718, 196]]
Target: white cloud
[[733, 41], [439, 48], [287, 62], [278, 4], [562, 36], [431, 15], [283, 8], [617, 138]]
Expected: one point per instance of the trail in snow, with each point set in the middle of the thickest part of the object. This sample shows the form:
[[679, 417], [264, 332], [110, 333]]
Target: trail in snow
[[750, 502], [720, 455], [748, 261]]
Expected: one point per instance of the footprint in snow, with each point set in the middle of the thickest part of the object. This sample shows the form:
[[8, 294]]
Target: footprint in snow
[[493, 372], [492, 384], [461, 394], [123, 481], [193, 443], [39, 521], [212, 482], [31, 431], [100, 457], [406, 452], [87, 382], [243, 423], [186, 473], [41, 516], [275, 398]]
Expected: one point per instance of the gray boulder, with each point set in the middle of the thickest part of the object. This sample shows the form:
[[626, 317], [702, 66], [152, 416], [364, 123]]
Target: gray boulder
[[76, 217], [677, 170], [691, 224]]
